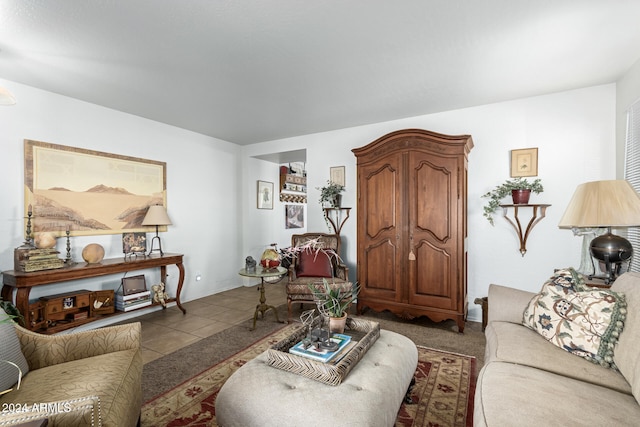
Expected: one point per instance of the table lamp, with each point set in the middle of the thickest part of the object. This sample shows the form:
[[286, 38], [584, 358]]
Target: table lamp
[[156, 215], [605, 204]]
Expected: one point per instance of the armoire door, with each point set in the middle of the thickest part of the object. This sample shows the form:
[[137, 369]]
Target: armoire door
[[380, 189], [433, 227]]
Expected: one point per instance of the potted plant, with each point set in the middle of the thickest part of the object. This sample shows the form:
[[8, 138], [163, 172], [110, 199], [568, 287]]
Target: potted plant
[[330, 194], [333, 303], [519, 188], [11, 311]]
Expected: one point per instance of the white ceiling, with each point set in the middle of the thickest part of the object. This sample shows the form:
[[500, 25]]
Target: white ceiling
[[248, 71]]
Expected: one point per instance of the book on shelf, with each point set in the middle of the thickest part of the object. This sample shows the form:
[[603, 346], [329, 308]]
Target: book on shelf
[[132, 297], [322, 355], [133, 306]]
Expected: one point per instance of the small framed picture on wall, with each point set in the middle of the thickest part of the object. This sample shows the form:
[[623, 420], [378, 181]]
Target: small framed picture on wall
[[265, 195], [524, 162], [337, 175], [294, 216]]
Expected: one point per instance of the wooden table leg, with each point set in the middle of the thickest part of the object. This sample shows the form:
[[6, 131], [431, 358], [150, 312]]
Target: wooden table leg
[[180, 283]]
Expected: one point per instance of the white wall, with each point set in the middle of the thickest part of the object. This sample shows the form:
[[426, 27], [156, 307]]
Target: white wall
[[203, 176], [212, 183], [575, 135]]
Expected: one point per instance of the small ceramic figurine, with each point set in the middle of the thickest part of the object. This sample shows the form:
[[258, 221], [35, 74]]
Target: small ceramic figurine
[[250, 265], [159, 295]]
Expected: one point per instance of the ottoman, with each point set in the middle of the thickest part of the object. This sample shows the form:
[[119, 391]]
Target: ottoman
[[371, 394]]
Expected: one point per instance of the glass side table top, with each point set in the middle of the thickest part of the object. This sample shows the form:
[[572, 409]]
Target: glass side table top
[[264, 272]]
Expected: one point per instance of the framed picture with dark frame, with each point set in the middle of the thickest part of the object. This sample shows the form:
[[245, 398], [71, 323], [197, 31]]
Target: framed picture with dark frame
[[265, 195], [294, 216], [524, 162], [134, 243]]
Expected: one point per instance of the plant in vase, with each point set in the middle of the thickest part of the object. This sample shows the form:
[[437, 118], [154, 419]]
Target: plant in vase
[[11, 310], [519, 189], [333, 303], [330, 194]]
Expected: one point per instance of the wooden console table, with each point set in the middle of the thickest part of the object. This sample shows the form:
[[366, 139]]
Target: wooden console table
[[23, 282]]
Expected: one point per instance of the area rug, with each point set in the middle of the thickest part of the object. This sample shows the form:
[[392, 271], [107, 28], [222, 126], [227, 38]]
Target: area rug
[[442, 395]]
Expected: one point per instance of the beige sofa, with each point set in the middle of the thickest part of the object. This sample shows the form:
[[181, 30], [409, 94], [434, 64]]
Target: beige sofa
[[91, 378], [527, 381]]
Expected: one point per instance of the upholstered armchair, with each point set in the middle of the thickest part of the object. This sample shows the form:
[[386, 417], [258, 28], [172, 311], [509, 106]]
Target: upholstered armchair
[[89, 378], [314, 264]]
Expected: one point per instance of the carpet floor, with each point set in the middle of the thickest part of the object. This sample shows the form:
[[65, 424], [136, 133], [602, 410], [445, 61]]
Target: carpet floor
[[442, 395], [168, 371]]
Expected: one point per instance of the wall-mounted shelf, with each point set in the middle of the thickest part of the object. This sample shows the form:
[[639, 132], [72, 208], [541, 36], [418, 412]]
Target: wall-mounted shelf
[[515, 222], [337, 217]]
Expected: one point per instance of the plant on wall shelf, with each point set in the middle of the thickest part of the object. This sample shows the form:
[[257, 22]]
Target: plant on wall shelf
[[330, 194], [505, 189]]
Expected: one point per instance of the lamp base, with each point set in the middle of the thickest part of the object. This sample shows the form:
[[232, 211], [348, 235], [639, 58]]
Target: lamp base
[[159, 244], [613, 251]]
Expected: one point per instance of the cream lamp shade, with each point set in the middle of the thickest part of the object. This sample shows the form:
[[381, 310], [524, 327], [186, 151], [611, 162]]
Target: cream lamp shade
[[6, 98], [156, 215], [611, 203], [608, 204]]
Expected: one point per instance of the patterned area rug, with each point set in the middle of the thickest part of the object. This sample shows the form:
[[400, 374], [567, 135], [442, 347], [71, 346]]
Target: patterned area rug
[[442, 396]]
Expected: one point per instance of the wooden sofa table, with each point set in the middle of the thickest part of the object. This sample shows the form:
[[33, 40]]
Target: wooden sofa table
[[23, 282]]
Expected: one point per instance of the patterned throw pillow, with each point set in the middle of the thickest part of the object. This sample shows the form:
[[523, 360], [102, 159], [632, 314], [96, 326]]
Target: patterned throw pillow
[[582, 320], [10, 351]]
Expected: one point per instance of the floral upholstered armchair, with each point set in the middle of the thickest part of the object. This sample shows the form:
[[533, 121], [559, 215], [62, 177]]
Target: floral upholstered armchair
[[316, 258]]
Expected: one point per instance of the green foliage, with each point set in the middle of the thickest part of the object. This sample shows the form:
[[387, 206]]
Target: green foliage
[[332, 302], [328, 192], [11, 310], [501, 191]]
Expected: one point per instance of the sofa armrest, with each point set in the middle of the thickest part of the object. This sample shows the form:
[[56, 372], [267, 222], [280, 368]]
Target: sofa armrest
[[46, 350], [507, 304], [82, 411]]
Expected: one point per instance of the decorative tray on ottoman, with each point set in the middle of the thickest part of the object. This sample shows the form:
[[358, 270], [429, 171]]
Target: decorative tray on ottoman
[[364, 331]]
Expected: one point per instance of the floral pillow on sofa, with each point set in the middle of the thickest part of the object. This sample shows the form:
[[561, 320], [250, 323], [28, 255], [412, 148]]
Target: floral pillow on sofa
[[582, 320]]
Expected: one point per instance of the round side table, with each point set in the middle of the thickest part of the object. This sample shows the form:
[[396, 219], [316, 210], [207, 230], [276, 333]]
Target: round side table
[[260, 272]]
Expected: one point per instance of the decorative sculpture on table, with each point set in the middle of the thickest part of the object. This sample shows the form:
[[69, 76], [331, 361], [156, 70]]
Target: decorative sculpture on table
[[159, 295], [250, 264], [316, 336]]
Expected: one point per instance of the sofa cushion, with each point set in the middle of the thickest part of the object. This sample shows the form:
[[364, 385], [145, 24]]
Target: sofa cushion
[[10, 351], [514, 395], [314, 264], [514, 343], [628, 348], [581, 320]]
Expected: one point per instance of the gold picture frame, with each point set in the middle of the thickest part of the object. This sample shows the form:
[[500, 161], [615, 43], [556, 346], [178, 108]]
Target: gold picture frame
[[524, 162], [337, 175]]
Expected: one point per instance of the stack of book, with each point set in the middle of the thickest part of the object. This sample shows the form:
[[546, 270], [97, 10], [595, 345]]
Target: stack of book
[[132, 301], [311, 352], [38, 259]]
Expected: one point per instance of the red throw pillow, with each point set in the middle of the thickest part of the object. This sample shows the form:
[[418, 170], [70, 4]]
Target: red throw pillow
[[314, 264]]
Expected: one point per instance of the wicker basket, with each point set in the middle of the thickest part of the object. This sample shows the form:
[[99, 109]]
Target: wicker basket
[[329, 373]]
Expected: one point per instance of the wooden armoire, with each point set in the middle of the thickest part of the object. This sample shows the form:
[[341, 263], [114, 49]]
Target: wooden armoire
[[412, 225]]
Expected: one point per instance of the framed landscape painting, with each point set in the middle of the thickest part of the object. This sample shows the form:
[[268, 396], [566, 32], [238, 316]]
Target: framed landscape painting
[[89, 192]]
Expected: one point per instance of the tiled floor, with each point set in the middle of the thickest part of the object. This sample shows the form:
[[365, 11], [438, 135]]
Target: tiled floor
[[168, 330]]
